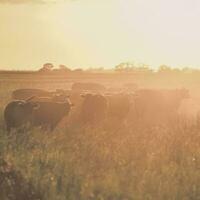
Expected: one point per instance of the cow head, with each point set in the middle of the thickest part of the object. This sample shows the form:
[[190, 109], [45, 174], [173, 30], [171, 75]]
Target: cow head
[[28, 107], [31, 105]]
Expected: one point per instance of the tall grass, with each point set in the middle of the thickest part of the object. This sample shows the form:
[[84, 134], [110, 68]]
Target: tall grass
[[86, 163], [103, 163]]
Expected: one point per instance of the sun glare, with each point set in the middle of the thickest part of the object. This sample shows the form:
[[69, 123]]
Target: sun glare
[[99, 99], [102, 33]]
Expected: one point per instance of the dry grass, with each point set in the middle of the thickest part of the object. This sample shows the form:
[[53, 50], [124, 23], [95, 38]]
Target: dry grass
[[105, 163]]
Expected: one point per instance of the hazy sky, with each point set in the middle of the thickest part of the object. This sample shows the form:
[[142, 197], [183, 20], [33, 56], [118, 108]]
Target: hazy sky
[[99, 33]]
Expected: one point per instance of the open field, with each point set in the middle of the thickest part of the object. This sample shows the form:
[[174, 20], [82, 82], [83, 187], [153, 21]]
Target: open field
[[121, 161]]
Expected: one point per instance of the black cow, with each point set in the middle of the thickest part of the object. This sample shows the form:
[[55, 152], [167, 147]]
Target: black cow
[[18, 113], [158, 106], [119, 105], [93, 108], [49, 114]]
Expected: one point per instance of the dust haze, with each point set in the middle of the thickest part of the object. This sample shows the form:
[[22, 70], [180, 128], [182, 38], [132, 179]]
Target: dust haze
[[107, 106], [100, 134]]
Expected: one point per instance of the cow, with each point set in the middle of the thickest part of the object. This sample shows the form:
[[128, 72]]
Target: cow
[[18, 113], [49, 114], [119, 105], [92, 87], [93, 108], [173, 98], [158, 106], [22, 94]]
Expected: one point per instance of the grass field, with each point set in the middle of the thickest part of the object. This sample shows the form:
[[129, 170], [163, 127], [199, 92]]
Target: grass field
[[118, 162]]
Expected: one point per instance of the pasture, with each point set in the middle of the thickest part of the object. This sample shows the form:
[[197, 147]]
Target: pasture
[[114, 161]]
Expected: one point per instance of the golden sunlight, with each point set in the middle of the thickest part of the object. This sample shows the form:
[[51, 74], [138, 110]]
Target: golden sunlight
[[99, 99], [100, 33]]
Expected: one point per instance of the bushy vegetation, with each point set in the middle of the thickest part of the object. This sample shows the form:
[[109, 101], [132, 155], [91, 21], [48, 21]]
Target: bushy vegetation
[[113, 162]]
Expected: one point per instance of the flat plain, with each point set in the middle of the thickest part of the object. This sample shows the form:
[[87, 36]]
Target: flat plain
[[114, 161]]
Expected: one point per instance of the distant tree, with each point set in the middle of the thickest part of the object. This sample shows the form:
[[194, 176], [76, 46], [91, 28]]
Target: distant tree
[[47, 67], [143, 68], [167, 70], [123, 67], [190, 70], [132, 67], [64, 68], [164, 69], [187, 70]]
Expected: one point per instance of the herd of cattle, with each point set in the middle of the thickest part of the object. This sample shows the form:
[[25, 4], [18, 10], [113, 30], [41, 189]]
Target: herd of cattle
[[92, 104]]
